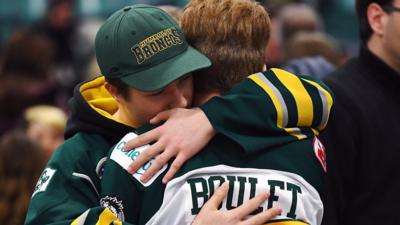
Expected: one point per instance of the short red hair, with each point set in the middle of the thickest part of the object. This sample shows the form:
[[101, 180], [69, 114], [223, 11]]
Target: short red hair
[[232, 33]]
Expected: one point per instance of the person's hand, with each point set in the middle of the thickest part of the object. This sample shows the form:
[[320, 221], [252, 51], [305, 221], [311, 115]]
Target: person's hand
[[185, 133], [210, 215]]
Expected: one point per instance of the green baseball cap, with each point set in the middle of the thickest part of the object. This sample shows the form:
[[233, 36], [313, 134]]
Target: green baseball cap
[[145, 48]]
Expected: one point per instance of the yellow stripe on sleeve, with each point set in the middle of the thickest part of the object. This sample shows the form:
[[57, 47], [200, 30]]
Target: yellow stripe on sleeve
[[302, 98], [315, 131], [295, 131], [106, 217], [75, 222], [117, 223], [287, 223], [327, 106], [274, 98]]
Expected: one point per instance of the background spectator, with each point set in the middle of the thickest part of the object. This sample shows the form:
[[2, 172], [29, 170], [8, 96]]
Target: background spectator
[[361, 139], [81, 19], [45, 127], [21, 162], [313, 54], [315, 66], [173, 11], [25, 77], [298, 41], [72, 50], [287, 21], [298, 17], [309, 44], [340, 22]]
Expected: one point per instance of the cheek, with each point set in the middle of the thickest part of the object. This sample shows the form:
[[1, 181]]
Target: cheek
[[189, 96], [147, 109], [396, 33], [188, 90], [392, 35]]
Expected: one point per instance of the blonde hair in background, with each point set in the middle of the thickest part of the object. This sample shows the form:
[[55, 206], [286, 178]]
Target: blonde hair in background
[[45, 126], [48, 115], [233, 34]]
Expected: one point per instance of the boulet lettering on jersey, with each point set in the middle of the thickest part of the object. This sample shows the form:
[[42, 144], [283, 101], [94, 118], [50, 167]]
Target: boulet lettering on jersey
[[155, 44], [185, 195]]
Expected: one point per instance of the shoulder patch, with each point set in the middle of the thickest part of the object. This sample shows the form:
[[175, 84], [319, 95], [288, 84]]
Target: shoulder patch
[[319, 151], [44, 180], [115, 206], [124, 159]]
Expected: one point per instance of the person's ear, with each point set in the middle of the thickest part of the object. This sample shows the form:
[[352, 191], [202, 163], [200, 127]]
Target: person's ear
[[377, 18], [113, 91]]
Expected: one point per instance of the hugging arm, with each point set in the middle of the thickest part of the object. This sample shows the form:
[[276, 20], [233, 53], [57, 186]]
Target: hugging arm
[[265, 110]]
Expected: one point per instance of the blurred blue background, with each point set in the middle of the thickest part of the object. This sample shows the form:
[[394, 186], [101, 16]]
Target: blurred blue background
[[15, 14], [338, 15]]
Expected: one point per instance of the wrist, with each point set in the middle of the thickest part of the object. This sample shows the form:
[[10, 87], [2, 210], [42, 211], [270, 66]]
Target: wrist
[[206, 124]]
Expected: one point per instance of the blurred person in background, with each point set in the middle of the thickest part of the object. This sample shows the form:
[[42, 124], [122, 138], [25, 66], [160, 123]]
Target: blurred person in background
[[72, 49], [45, 126], [21, 162], [313, 44], [174, 11], [297, 17], [287, 20], [25, 77], [312, 54], [298, 43], [93, 70], [340, 22], [315, 66], [362, 138]]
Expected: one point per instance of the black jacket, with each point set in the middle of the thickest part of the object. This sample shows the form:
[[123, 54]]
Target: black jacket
[[362, 142], [84, 117]]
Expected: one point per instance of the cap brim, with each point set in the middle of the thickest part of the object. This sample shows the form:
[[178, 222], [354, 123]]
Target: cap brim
[[159, 76]]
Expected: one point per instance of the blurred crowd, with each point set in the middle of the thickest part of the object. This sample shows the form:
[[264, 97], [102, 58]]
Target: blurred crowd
[[41, 63]]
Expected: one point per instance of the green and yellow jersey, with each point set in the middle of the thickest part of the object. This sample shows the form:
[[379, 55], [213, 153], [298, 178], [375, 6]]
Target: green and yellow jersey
[[71, 190], [267, 141]]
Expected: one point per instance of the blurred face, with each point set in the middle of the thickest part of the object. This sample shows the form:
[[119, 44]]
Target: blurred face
[[61, 16], [47, 137], [139, 106]]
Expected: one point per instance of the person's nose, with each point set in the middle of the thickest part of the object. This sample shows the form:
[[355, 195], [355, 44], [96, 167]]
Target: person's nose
[[179, 99]]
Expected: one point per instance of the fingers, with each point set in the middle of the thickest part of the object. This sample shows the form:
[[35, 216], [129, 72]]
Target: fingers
[[218, 196], [175, 166], [249, 206], [162, 116], [142, 139], [145, 156], [263, 217], [156, 165]]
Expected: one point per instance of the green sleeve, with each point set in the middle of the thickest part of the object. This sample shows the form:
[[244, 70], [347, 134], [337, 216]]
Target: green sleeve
[[271, 108], [68, 190]]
